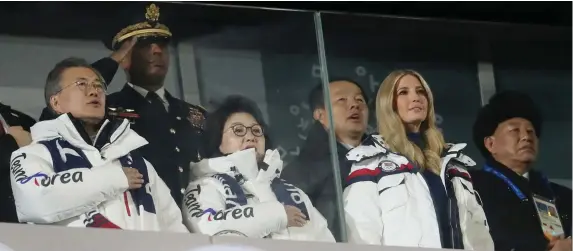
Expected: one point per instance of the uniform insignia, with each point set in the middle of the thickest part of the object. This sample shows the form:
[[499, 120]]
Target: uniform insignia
[[388, 166], [122, 113], [152, 13], [196, 117]]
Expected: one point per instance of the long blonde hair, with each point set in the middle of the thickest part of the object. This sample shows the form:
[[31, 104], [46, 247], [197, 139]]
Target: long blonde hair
[[392, 129]]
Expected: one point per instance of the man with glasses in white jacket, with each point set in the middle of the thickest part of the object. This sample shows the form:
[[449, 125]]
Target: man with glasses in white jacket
[[82, 170]]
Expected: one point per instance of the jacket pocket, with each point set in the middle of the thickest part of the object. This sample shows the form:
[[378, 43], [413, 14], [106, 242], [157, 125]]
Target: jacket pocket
[[475, 225], [396, 218], [392, 192], [474, 215]]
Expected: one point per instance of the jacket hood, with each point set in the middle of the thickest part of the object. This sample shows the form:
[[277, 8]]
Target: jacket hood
[[60, 127], [116, 137], [242, 163]]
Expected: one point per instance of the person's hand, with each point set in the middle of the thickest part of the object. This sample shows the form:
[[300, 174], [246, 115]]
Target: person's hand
[[22, 137], [560, 244], [295, 217], [122, 53], [134, 178]]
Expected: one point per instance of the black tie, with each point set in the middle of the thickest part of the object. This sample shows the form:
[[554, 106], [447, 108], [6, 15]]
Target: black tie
[[155, 102]]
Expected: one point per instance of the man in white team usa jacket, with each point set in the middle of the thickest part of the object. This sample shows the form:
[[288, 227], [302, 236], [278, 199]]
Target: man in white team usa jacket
[[84, 171]]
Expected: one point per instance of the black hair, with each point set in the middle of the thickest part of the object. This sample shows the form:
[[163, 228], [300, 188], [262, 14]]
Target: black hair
[[316, 96], [215, 122]]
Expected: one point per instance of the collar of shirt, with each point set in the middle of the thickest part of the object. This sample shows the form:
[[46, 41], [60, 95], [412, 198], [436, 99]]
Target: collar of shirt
[[160, 92], [526, 175]]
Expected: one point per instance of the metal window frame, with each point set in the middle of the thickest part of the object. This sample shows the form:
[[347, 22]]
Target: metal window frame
[[485, 71]]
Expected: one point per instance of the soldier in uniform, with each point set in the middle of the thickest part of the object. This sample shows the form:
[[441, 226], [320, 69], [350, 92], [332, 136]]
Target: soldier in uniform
[[173, 127]]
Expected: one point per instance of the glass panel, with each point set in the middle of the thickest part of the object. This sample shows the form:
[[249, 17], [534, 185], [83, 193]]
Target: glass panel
[[266, 56], [366, 49], [269, 57], [33, 50], [41, 35], [540, 65]]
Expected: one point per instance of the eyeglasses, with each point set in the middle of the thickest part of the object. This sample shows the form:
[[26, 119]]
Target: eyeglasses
[[241, 130], [83, 85]]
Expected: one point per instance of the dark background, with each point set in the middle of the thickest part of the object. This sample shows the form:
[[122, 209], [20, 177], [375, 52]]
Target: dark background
[[542, 13], [87, 19]]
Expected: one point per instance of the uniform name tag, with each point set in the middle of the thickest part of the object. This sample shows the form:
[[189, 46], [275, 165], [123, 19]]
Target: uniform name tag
[[548, 216]]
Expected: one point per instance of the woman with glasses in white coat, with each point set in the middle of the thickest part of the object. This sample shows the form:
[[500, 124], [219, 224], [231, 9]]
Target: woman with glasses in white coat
[[237, 189]]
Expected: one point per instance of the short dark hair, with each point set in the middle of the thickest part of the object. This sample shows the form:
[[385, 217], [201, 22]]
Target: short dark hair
[[215, 122], [52, 86], [316, 96]]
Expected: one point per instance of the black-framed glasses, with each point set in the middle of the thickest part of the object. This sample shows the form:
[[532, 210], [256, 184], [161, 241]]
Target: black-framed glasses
[[84, 85], [241, 130]]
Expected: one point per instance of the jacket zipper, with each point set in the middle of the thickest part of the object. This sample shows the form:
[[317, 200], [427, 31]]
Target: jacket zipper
[[446, 187], [110, 143], [457, 243], [99, 131], [450, 220]]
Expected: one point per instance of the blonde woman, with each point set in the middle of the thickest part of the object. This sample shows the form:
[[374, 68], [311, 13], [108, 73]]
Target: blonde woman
[[407, 187]]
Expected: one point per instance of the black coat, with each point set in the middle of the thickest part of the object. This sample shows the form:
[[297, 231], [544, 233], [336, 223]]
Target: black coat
[[7, 146], [514, 224], [174, 137], [312, 172]]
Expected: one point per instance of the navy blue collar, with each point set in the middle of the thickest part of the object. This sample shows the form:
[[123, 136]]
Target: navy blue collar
[[417, 138]]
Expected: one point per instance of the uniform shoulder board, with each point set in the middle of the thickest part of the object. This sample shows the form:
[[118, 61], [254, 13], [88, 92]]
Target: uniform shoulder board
[[195, 107], [120, 113], [196, 115], [201, 108]]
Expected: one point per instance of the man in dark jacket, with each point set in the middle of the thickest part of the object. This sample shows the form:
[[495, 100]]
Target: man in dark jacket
[[506, 131], [172, 126], [313, 171], [14, 133]]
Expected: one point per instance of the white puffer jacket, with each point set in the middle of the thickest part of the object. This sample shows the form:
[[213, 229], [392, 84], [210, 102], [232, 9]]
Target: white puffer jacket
[[388, 202]]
